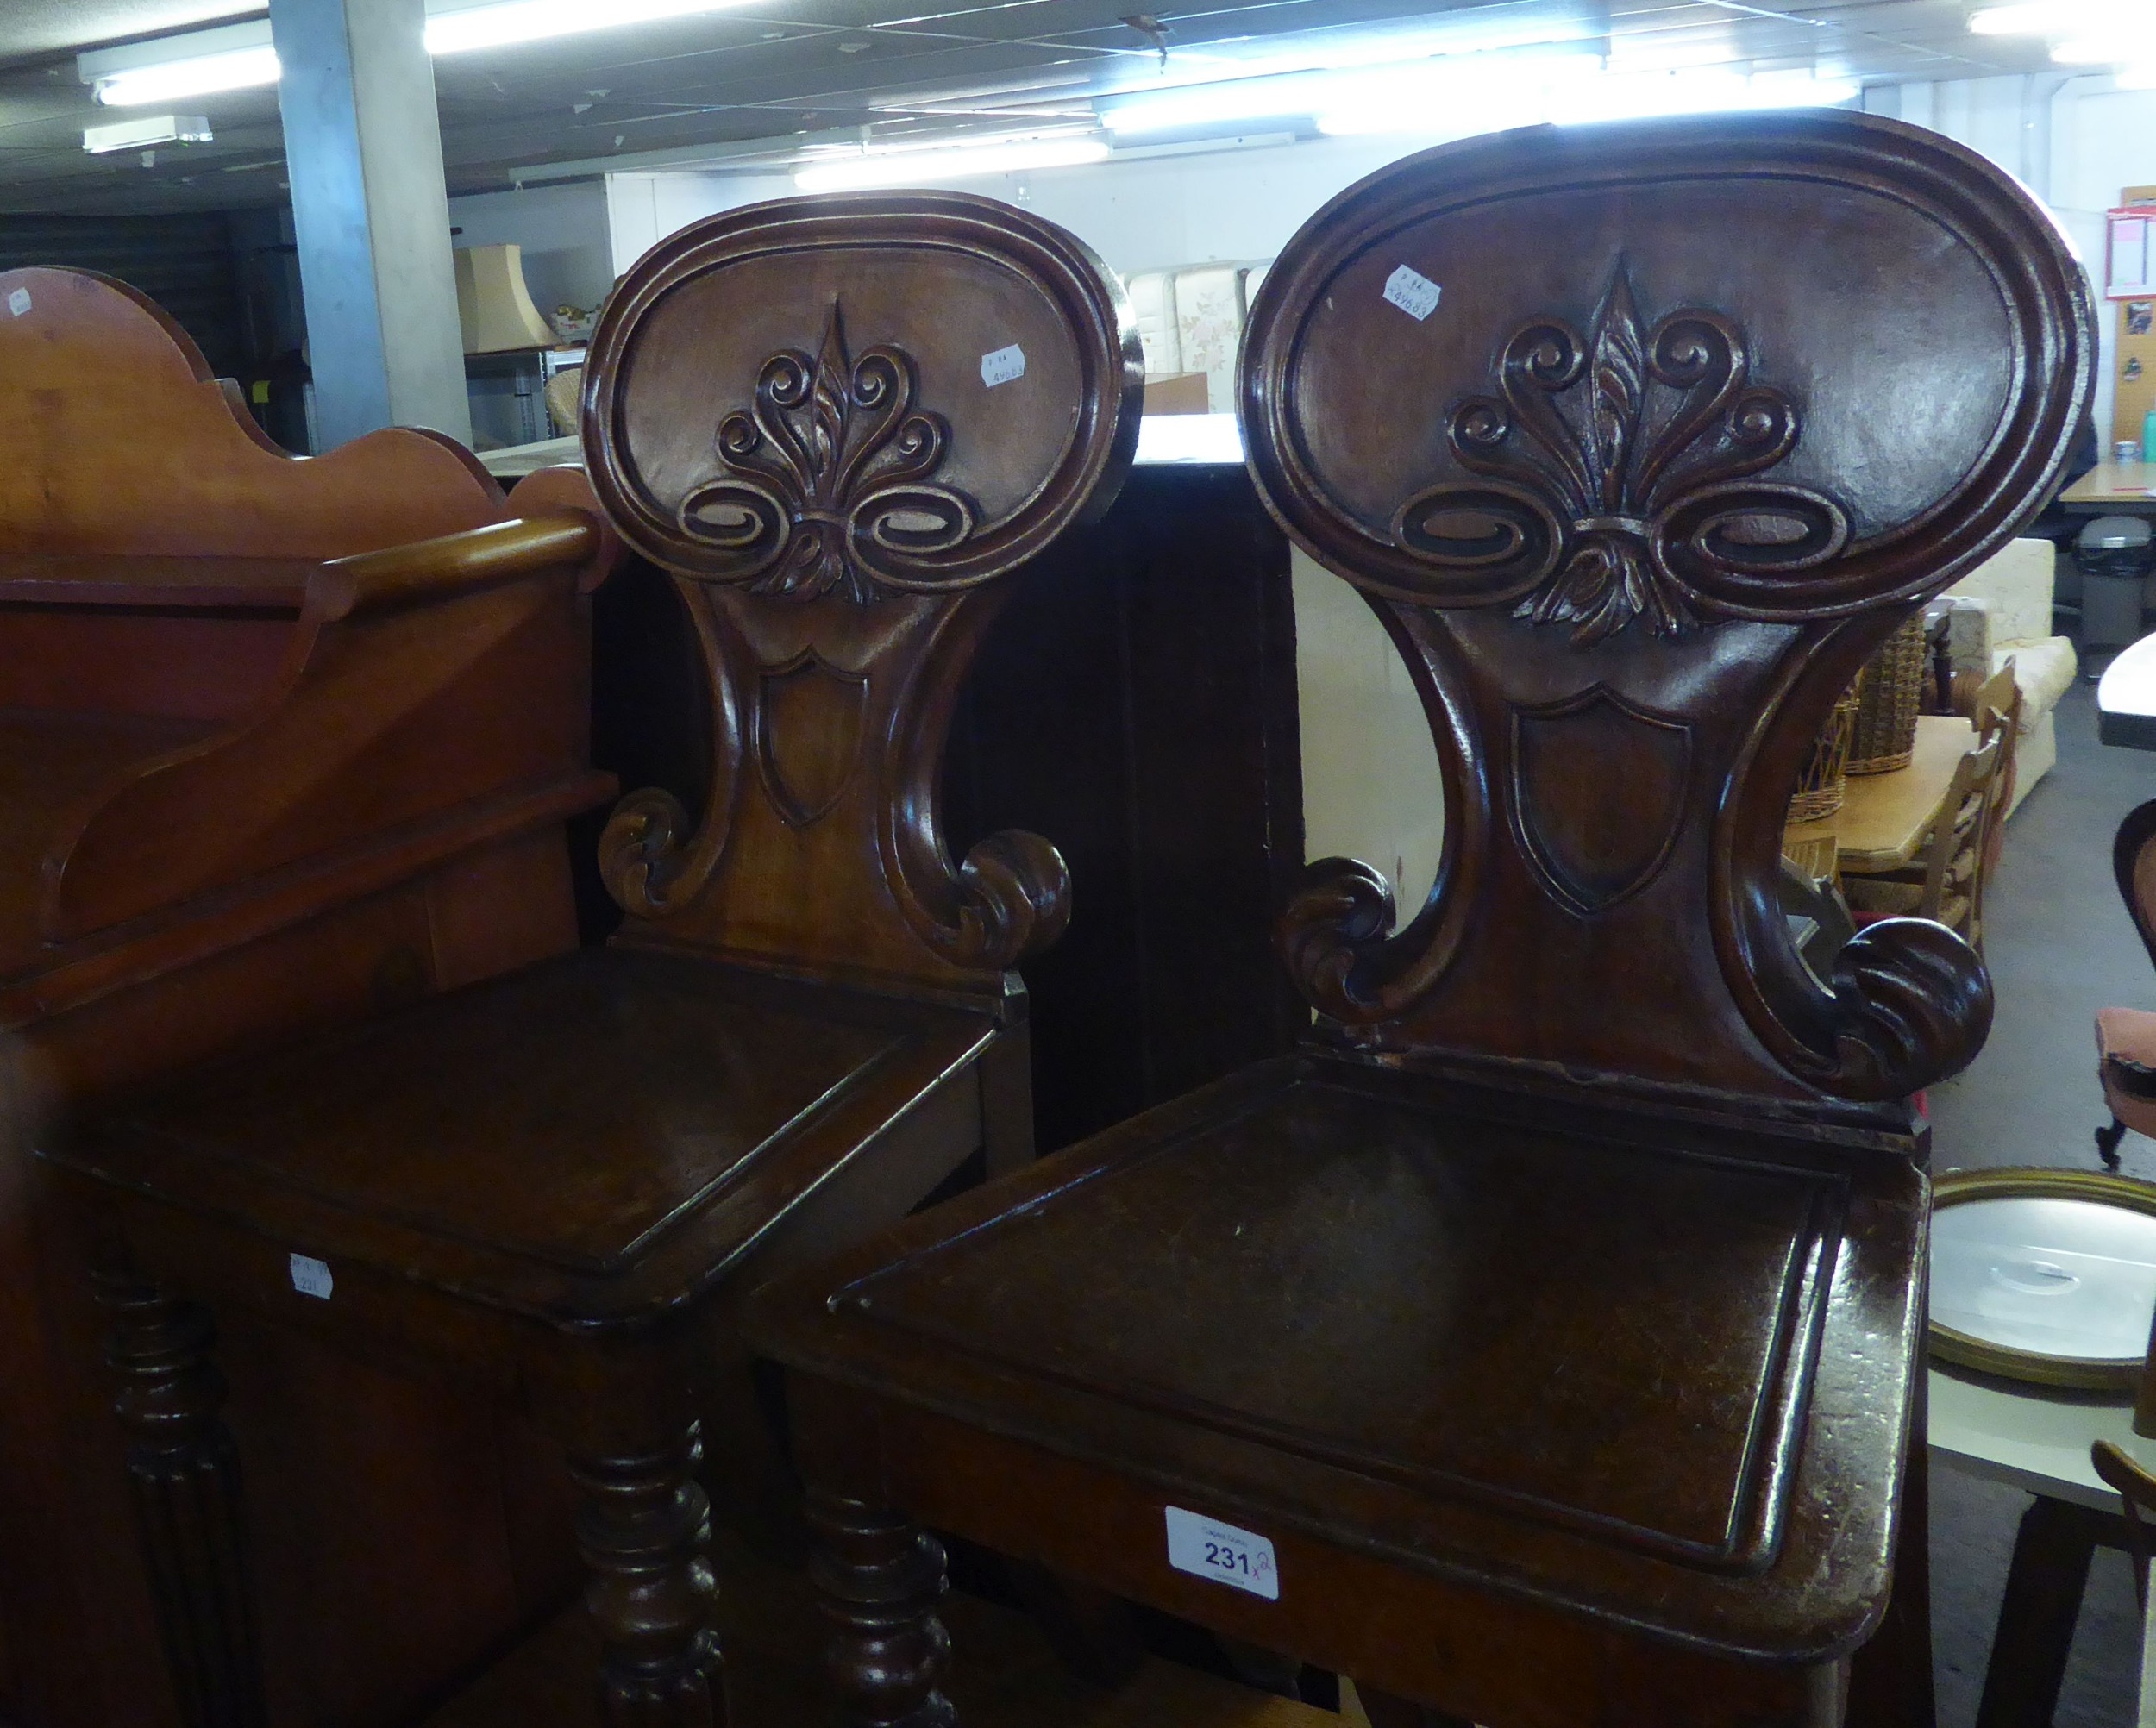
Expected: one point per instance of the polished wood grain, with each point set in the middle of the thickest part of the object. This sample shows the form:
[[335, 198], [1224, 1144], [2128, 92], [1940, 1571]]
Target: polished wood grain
[[1554, 1314], [281, 743], [557, 1185]]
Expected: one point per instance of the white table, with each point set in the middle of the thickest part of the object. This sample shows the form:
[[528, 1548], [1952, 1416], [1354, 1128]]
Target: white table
[[2039, 1442], [2125, 698]]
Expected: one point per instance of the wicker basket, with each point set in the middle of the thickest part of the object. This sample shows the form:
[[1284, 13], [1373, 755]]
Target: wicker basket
[[1890, 690], [1818, 788]]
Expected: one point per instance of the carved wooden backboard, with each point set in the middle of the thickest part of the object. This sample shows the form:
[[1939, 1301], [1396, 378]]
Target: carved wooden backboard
[[836, 421], [116, 439], [1638, 439]]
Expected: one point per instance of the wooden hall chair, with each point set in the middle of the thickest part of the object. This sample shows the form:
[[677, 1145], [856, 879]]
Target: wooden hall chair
[[1537, 1344], [836, 422]]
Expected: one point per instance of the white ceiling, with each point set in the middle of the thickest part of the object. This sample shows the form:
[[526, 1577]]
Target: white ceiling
[[775, 69]]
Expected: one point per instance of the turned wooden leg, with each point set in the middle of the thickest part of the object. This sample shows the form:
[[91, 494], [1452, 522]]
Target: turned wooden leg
[[878, 1581], [185, 1476], [643, 1529]]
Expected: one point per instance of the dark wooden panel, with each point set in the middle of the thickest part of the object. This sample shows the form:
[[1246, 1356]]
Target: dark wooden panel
[[185, 263], [1136, 703]]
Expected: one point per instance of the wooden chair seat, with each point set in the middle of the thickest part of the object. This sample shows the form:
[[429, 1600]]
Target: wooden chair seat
[[588, 1142], [1314, 1303]]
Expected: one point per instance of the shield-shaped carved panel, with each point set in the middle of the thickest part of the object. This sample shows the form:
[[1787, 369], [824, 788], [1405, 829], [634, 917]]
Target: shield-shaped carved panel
[[1599, 787], [809, 724]]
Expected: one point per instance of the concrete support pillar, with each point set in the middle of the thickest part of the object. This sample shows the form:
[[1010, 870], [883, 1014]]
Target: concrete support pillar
[[371, 211]]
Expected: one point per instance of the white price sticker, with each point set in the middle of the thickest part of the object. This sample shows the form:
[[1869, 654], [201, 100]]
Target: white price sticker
[[19, 302], [1003, 366], [1414, 293], [310, 1277], [1242, 1559]]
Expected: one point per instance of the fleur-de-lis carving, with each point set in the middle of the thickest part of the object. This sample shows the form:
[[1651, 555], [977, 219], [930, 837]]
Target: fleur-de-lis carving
[[1626, 501], [822, 482]]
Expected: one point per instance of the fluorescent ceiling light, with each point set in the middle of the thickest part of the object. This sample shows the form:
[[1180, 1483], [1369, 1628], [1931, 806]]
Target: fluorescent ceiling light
[[241, 56], [503, 23], [1217, 104], [144, 134], [958, 159], [200, 63], [1451, 84], [1227, 88], [202, 75], [2137, 46], [2058, 17], [1641, 96], [1564, 95]]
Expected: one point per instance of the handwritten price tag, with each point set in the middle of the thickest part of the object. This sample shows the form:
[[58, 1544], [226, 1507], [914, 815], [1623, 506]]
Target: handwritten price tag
[[1241, 1559], [1003, 366], [1414, 293], [310, 1277]]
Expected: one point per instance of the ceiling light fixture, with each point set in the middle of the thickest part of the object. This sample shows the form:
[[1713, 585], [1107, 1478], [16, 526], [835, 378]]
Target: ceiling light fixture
[[1566, 95], [241, 57], [1452, 83], [2058, 17], [1262, 86], [958, 158], [139, 134], [505, 23], [2135, 48], [201, 63]]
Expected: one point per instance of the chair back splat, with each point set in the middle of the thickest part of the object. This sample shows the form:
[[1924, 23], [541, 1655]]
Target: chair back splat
[[836, 464], [1700, 412]]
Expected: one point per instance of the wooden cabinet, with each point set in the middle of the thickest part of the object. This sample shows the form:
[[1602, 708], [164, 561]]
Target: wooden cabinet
[[265, 764]]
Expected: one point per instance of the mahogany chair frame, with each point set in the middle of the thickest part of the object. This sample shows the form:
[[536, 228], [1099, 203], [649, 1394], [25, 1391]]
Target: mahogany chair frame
[[1395, 1322], [559, 1185]]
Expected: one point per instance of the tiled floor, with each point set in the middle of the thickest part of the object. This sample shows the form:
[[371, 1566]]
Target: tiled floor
[[2060, 946]]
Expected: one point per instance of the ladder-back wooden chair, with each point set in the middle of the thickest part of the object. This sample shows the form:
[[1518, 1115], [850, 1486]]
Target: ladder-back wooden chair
[[1538, 1343], [836, 422], [1946, 882]]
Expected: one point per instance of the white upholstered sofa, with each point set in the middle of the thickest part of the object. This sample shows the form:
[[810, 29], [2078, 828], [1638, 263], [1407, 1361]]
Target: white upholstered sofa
[[2002, 612]]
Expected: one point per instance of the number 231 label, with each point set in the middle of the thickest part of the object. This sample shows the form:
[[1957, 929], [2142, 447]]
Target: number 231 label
[[1241, 1559]]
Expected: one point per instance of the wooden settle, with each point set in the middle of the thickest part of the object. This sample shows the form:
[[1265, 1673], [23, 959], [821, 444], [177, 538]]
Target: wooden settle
[[1538, 1344], [558, 1185], [282, 742]]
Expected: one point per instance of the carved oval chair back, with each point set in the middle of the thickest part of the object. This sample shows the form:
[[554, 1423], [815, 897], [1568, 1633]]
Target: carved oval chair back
[[836, 422], [1636, 484]]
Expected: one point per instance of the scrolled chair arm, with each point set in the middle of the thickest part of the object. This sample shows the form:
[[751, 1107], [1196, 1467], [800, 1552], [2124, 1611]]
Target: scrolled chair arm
[[642, 854], [1913, 1005], [1014, 900], [1340, 913]]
